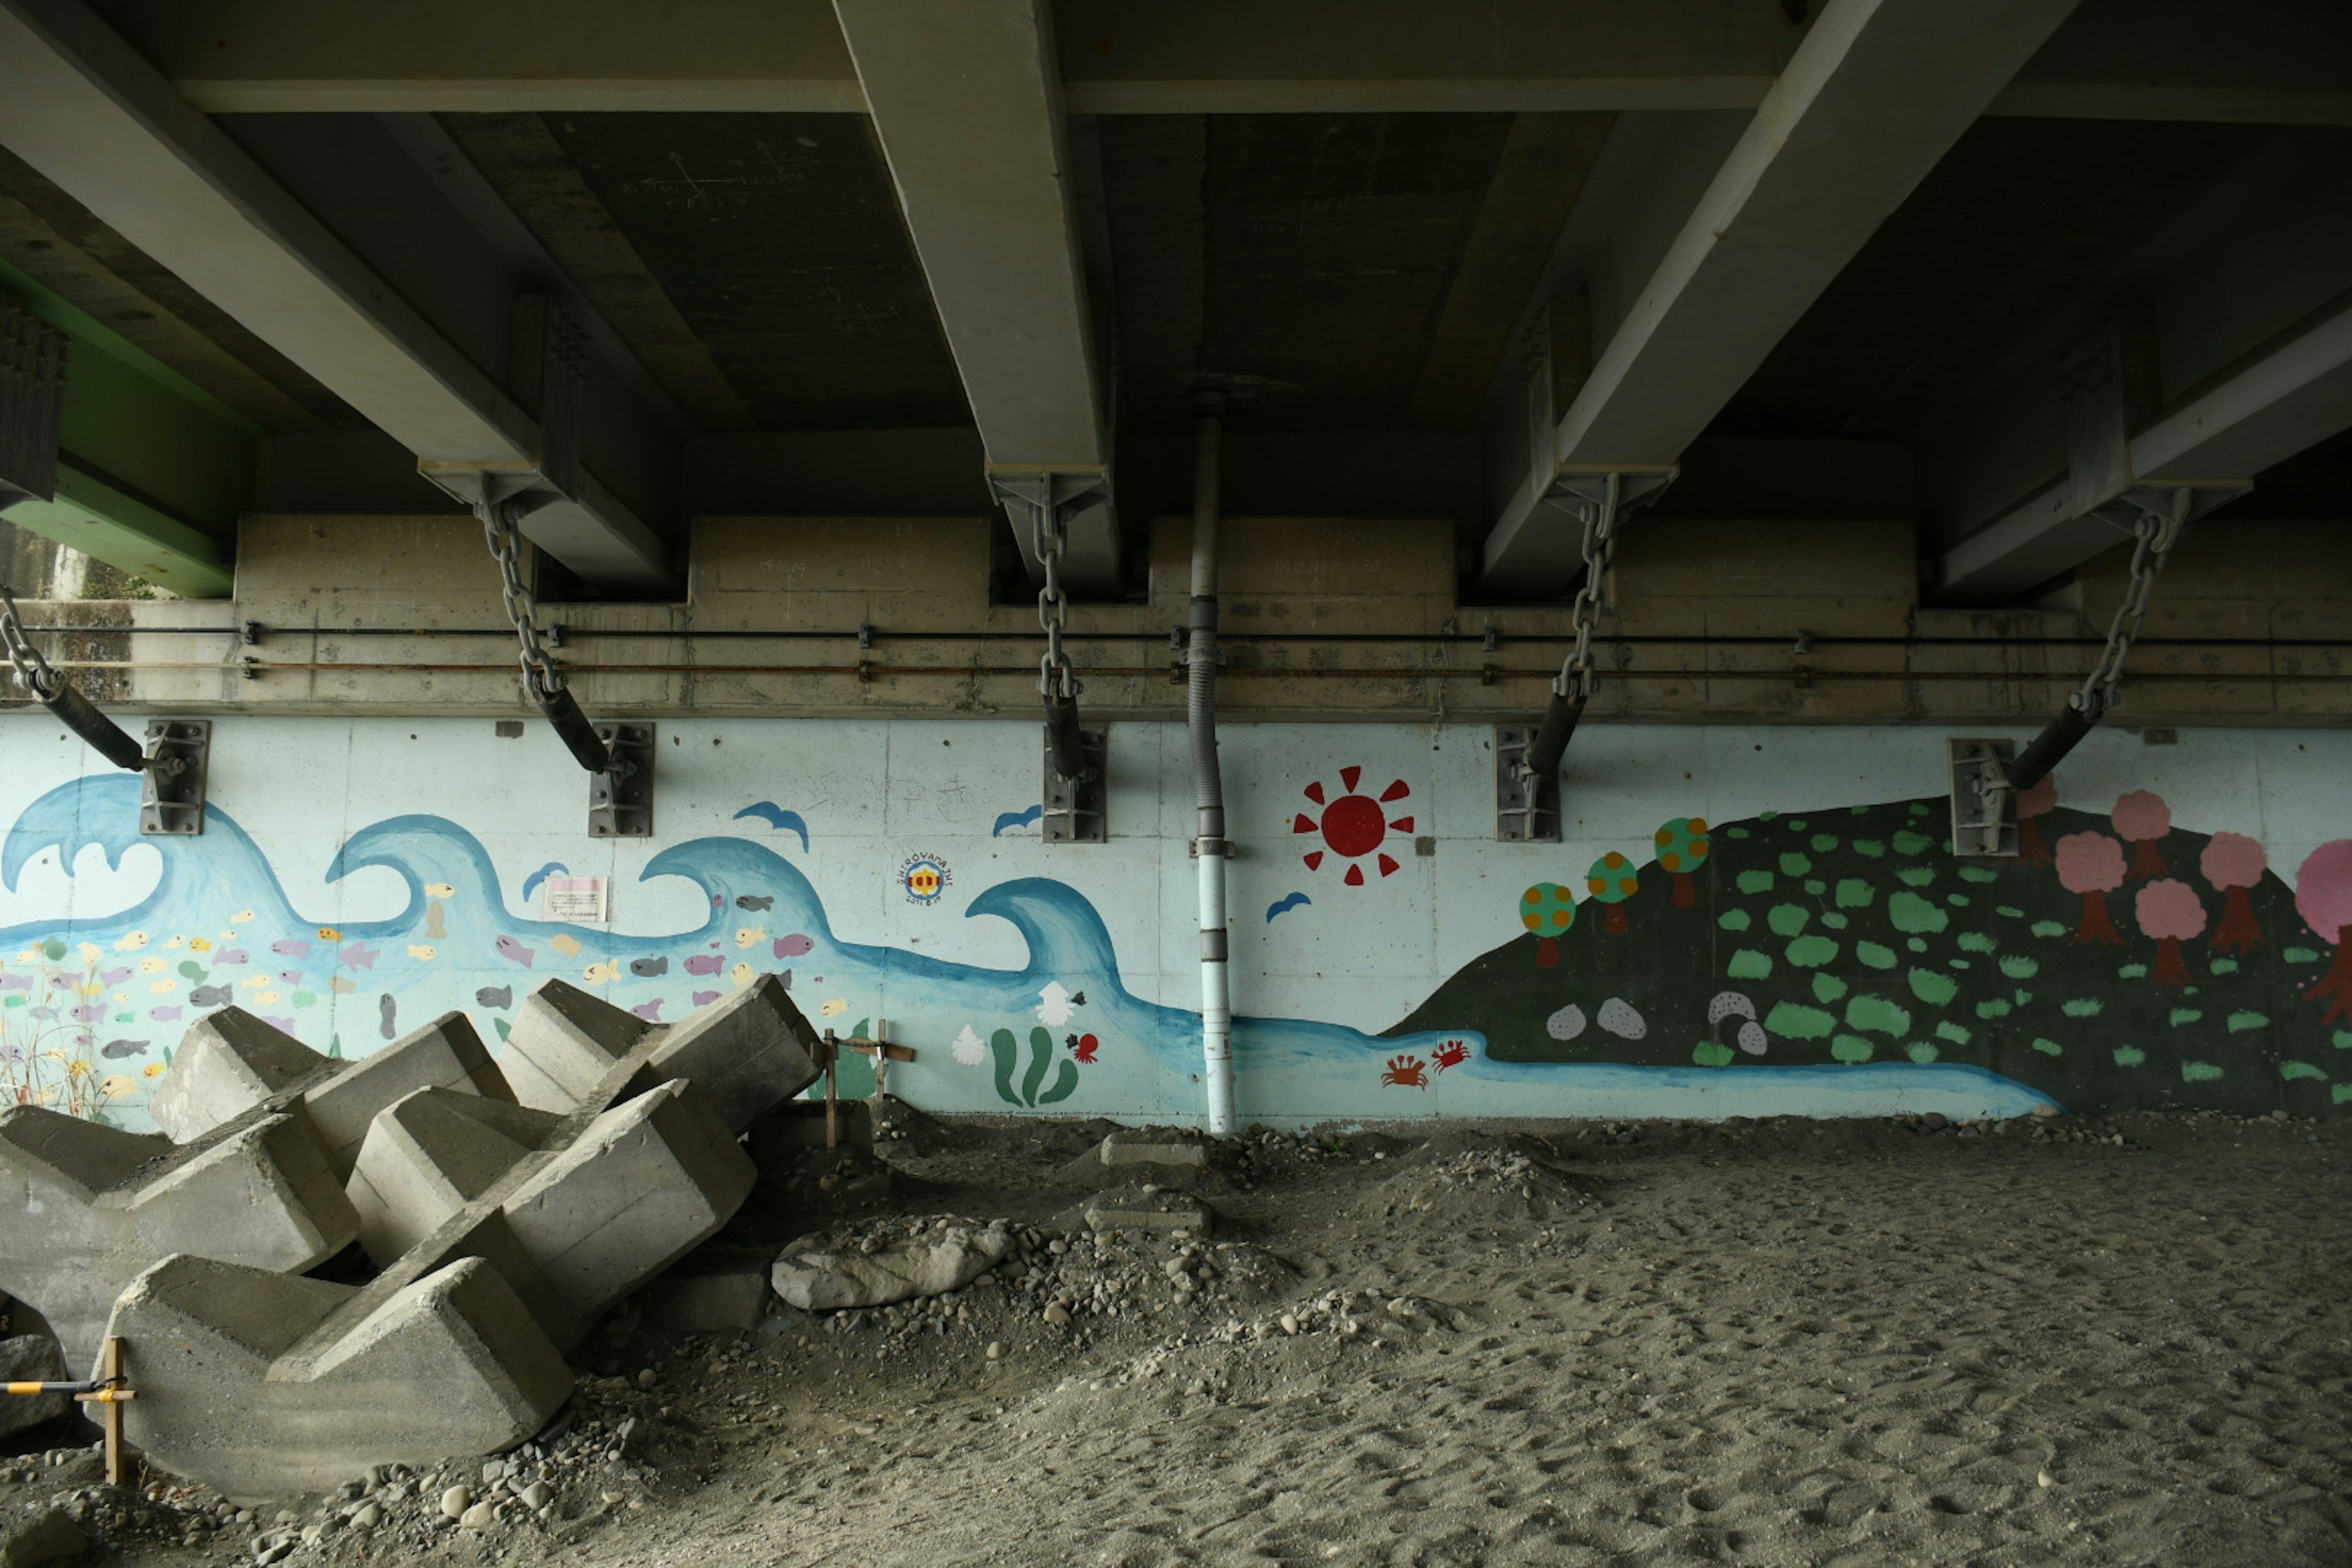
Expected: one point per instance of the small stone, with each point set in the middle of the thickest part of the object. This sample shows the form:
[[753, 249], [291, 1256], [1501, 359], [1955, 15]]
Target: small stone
[[1289, 1323], [369, 1515], [647, 1378], [2046, 1110], [537, 1496], [481, 1515], [1934, 1121], [996, 1350], [456, 1500], [2042, 1479], [1055, 1314], [494, 1472]]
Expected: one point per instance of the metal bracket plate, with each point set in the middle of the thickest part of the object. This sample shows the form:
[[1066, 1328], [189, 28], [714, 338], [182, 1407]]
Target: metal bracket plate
[[1984, 808], [1077, 809], [171, 790], [621, 803], [1527, 810]]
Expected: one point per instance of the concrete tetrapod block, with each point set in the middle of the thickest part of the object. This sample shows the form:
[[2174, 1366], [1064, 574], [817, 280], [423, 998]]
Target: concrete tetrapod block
[[231, 1062], [428, 1156], [715, 1290], [563, 1043], [641, 1186], [445, 1053], [87, 1207], [747, 1054], [263, 1385], [227, 1063]]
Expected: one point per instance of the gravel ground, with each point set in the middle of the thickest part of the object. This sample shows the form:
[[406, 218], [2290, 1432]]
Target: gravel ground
[[2122, 1342]]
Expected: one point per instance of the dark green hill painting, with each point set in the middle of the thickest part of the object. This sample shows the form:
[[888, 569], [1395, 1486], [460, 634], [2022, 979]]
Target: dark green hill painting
[[2116, 964]]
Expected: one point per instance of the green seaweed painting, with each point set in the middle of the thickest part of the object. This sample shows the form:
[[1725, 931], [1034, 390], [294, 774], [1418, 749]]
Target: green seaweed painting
[[1007, 1052]]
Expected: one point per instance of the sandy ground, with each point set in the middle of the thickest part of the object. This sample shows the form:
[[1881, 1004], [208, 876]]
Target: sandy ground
[[1784, 1343]]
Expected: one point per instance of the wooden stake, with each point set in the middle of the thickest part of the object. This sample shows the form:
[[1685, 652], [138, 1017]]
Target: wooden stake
[[110, 1414], [881, 1063], [832, 1087]]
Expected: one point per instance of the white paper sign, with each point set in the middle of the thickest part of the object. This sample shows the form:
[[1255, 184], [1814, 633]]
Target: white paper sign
[[577, 898]]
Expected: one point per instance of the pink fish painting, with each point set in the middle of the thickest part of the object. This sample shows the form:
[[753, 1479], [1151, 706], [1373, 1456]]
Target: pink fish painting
[[359, 955], [705, 963], [509, 948], [649, 1011], [164, 1014], [705, 998], [792, 946], [291, 948]]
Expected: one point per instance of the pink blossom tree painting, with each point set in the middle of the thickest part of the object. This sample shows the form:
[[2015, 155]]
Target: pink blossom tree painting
[[2144, 818], [2037, 799], [2171, 911], [2234, 863], [2091, 864], [2323, 896]]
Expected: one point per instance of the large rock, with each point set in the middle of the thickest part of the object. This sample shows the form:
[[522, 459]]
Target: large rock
[[819, 1279], [276, 1384], [30, 1358], [85, 1208], [28, 1540]]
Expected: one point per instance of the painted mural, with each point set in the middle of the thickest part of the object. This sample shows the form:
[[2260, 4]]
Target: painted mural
[[2117, 963], [1822, 962]]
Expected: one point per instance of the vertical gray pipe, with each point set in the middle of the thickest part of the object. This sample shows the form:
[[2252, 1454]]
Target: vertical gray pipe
[[1208, 785]]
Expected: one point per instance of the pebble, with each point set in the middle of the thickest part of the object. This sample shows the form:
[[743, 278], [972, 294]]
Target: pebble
[[537, 1496], [1289, 1323], [1056, 1314], [996, 1350], [2042, 1479], [647, 1378], [481, 1515], [367, 1518], [456, 1500]]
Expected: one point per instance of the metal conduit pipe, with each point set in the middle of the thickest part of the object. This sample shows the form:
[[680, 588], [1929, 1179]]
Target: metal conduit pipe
[[1208, 847]]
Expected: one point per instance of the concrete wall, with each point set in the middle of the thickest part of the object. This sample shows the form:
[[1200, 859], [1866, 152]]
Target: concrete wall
[[1824, 954]]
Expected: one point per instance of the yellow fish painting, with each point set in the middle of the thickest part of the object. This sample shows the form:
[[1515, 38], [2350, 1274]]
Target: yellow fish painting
[[200, 944], [342, 985], [152, 1069], [441, 890], [835, 1007], [130, 941], [254, 982], [569, 946], [742, 974], [30, 955], [602, 973], [749, 936], [244, 918], [151, 965], [268, 998], [175, 942], [329, 933], [165, 986], [92, 952], [424, 952]]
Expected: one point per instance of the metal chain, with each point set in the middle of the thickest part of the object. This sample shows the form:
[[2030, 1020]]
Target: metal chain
[[1599, 546], [32, 669], [2153, 538], [1049, 536], [539, 673]]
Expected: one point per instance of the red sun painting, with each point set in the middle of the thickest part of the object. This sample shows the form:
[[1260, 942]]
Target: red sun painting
[[1353, 826]]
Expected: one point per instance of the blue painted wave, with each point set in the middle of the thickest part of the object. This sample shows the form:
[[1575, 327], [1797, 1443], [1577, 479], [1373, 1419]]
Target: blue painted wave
[[218, 927]]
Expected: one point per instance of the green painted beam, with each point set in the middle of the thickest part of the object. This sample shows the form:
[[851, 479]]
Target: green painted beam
[[152, 471]]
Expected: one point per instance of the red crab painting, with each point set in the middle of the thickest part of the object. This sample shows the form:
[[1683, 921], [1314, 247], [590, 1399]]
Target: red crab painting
[[1406, 1072], [1353, 826], [1452, 1054]]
